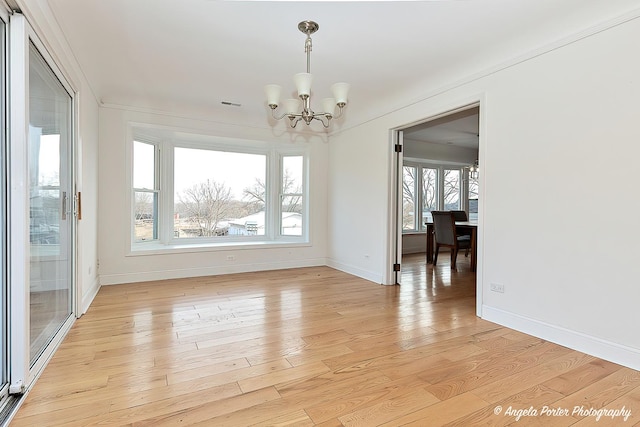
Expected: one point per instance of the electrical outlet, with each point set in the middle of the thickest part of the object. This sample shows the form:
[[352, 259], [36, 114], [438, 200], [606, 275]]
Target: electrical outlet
[[497, 287], [231, 258]]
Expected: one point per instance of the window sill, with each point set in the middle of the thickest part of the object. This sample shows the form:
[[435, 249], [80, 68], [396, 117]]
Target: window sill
[[156, 248]]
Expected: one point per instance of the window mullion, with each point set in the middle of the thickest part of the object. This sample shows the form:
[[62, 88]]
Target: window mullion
[[440, 187], [464, 190], [165, 191], [419, 185]]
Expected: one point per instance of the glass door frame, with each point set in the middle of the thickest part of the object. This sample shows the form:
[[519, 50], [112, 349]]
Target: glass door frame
[[21, 372], [4, 321]]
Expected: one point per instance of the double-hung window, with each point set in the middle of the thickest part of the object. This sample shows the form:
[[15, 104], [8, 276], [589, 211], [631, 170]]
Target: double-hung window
[[209, 191], [292, 195], [146, 190]]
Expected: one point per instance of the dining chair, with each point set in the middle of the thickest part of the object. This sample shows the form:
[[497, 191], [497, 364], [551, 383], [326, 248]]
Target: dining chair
[[444, 225], [462, 216]]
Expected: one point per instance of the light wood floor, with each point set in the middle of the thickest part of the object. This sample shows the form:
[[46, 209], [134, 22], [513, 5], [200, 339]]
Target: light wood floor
[[315, 346]]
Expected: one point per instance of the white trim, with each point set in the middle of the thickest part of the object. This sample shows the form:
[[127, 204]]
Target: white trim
[[89, 296], [5, 11], [119, 278], [18, 275], [395, 203], [372, 276], [156, 248], [588, 344], [482, 150]]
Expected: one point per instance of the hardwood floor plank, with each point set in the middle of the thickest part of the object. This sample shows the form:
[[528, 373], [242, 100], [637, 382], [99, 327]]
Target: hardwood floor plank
[[369, 404], [391, 409], [313, 346], [504, 387], [192, 414], [298, 418], [275, 378], [122, 401], [618, 412], [74, 415], [510, 410], [233, 376], [581, 376], [479, 370], [601, 393], [440, 413]]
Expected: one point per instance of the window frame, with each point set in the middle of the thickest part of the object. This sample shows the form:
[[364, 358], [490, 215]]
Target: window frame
[[170, 192], [155, 191], [417, 195], [167, 141], [303, 195]]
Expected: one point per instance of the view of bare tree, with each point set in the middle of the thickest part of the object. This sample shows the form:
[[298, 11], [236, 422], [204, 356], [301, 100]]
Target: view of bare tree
[[408, 198], [451, 189], [206, 204], [143, 205], [290, 187], [429, 201]]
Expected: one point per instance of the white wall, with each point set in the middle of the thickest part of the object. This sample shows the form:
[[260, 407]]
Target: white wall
[[559, 147], [117, 265], [87, 185], [359, 177]]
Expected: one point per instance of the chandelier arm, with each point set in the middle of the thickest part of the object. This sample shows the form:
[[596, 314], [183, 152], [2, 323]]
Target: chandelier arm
[[291, 116], [320, 119], [294, 120]]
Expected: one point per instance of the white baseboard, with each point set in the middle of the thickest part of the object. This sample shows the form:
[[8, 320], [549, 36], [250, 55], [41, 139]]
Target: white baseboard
[[89, 296], [365, 274], [116, 279], [617, 353]]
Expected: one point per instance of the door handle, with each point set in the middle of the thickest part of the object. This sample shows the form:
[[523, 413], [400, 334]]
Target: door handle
[[64, 205]]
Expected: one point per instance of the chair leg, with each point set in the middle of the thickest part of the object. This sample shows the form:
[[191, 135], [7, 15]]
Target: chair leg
[[454, 256], [435, 255]]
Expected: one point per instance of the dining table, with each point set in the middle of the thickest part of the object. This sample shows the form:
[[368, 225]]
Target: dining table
[[471, 226]]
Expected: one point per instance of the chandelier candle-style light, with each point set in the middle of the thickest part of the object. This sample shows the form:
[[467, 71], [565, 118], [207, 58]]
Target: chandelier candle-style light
[[474, 170], [303, 81]]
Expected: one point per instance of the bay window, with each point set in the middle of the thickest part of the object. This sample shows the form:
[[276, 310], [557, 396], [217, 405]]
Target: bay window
[[209, 191], [429, 186]]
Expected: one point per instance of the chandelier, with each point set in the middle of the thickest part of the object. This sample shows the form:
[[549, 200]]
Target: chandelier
[[300, 109], [474, 170]]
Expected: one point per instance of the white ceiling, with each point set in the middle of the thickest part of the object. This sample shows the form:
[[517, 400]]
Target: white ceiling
[[189, 56], [460, 129]]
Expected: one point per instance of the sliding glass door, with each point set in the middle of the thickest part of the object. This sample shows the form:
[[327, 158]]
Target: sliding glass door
[[41, 209], [50, 204]]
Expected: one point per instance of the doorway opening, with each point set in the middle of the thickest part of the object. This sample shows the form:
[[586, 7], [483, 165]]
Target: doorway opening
[[436, 168]]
